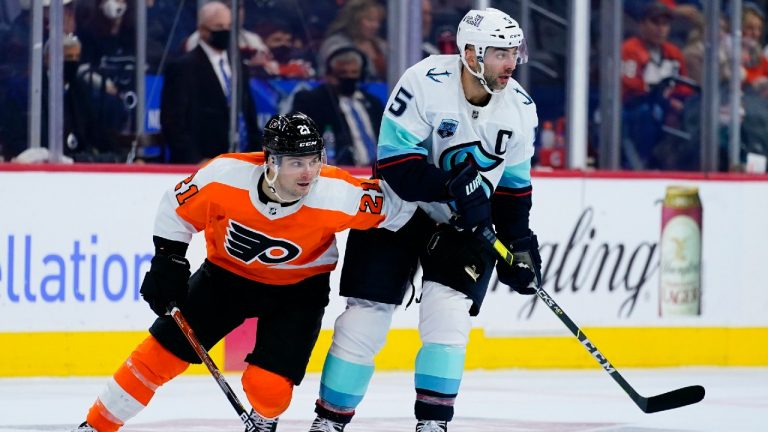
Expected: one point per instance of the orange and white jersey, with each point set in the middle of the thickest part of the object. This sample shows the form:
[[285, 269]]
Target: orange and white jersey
[[269, 242]]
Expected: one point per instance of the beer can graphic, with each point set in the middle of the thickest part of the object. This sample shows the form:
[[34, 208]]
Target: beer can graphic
[[680, 276]]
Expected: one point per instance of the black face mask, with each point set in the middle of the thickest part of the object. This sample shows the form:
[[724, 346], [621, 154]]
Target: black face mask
[[219, 39], [282, 53], [70, 70], [347, 86]]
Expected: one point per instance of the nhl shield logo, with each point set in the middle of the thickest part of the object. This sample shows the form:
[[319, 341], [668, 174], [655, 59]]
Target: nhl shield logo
[[447, 128]]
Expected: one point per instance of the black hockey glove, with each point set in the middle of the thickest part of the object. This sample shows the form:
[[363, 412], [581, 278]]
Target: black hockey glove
[[165, 282], [525, 268], [472, 204]]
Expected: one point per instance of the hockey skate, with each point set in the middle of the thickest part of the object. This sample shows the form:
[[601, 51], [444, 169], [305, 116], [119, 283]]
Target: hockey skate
[[262, 424], [84, 427], [431, 426], [324, 425]]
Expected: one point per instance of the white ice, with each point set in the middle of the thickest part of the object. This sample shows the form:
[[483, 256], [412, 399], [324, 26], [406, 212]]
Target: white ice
[[512, 400]]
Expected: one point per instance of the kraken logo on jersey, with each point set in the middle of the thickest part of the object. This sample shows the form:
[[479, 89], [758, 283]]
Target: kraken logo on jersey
[[472, 152], [447, 128], [247, 245], [431, 75]]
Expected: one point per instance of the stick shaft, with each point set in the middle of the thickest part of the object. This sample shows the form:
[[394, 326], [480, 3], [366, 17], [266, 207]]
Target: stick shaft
[[505, 254], [212, 368]]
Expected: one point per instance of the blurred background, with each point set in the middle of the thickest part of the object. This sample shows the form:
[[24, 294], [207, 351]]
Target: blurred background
[[668, 85]]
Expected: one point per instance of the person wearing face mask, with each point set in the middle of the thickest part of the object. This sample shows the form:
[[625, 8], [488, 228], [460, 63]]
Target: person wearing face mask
[[341, 107], [288, 58], [113, 9], [253, 50], [15, 65], [106, 30], [194, 105], [85, 137]]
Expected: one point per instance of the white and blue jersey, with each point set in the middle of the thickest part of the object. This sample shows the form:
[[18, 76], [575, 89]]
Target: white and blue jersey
[[428, 128], [428, 117]]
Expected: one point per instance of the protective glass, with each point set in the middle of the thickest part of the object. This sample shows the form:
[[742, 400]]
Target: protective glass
[[522, 52], [499, 55]]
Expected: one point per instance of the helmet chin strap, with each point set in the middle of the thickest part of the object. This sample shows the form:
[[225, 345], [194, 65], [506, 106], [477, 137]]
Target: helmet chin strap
[[479, 76], [271, 183]]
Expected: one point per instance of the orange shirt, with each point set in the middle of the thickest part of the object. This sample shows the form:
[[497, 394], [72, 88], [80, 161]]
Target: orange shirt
[[759, 70], [639, 71], [268, 242]]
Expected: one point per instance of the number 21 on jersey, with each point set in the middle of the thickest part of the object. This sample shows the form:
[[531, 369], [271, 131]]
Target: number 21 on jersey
[[370, 203]]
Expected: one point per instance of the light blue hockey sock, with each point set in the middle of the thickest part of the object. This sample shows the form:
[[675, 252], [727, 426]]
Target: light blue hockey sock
[[439, 368], [438, 375], [343, 384]]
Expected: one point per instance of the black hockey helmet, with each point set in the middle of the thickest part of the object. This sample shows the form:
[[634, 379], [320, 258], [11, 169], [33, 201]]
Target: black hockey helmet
[[292, 134]]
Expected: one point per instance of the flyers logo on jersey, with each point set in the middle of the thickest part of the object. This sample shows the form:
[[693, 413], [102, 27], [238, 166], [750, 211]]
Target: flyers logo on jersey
[[248, 245]]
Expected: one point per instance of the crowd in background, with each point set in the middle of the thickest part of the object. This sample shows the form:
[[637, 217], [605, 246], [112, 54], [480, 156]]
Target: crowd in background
[[295, 41], [662, 73]]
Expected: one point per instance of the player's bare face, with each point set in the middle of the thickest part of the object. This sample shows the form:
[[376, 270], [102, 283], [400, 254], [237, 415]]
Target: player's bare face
[[296, 174], [499, 65]]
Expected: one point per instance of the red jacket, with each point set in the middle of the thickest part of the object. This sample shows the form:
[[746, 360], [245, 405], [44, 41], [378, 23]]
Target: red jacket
[[639, 72]]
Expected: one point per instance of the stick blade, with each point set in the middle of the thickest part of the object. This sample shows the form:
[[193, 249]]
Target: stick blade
[[671, 400]]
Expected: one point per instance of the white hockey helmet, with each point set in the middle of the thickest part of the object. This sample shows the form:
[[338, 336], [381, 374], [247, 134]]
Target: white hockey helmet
[[486, 29]]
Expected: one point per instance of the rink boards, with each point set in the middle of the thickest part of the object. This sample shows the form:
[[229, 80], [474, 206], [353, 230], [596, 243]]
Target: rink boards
[[75, 243]]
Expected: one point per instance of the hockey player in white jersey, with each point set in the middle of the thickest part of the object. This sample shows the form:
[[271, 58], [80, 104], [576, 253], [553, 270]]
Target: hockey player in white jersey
[[457, 137]]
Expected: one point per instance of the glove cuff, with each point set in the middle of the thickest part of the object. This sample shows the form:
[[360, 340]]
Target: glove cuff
[[522, 244]]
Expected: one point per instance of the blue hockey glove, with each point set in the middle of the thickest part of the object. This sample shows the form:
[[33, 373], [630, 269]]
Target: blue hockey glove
[[165, 282], [525, 268], [472, 204]]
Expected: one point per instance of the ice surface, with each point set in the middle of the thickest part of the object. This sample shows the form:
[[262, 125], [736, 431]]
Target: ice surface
[[510, 400]]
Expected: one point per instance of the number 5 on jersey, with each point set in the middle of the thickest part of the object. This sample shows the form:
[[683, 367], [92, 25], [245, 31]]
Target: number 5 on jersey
[[399, 105]]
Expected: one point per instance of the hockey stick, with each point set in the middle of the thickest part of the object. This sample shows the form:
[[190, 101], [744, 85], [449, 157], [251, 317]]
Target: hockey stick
[[174, 311], [665, 401]]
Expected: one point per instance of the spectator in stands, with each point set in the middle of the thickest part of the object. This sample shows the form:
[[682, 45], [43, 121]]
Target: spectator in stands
[[89, 119], [288, 53], [253, 51], [648, 57], [349, 115], [651, 97], [14, 44], [754, 59], [194, 107], [753, 107], [106, 29], [358, 24], [694, 51]]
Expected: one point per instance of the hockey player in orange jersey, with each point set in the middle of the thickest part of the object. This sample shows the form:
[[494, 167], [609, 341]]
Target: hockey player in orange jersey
[[269, 221]]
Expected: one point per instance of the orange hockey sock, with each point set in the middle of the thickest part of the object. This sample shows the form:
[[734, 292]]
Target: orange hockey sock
[[131, 388], [269, 393]]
